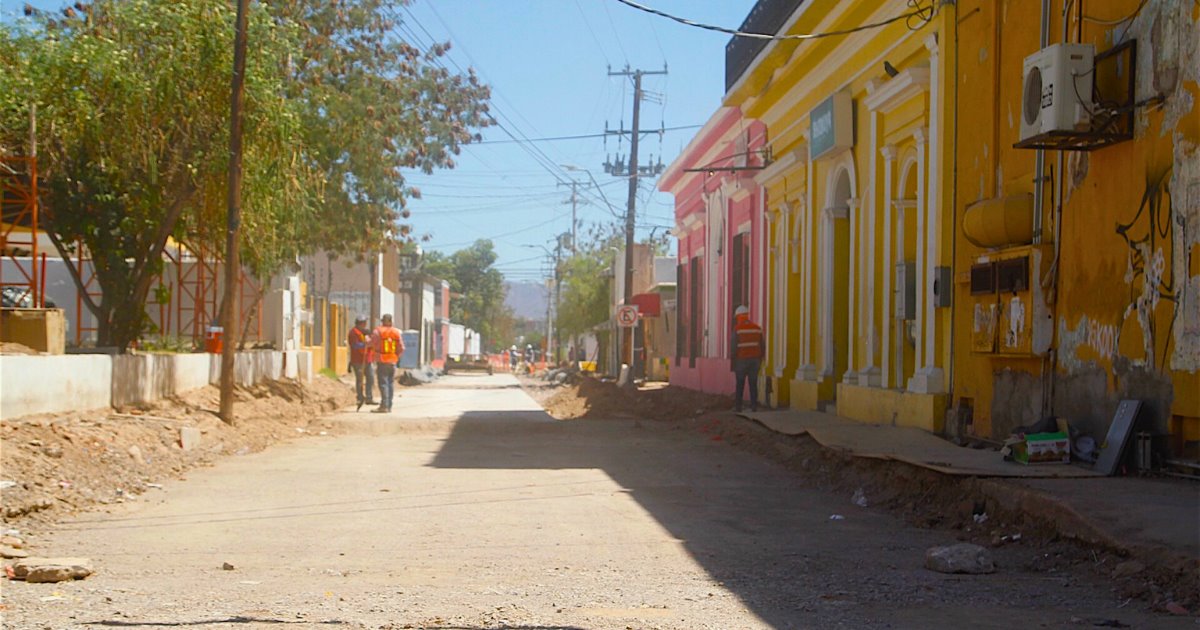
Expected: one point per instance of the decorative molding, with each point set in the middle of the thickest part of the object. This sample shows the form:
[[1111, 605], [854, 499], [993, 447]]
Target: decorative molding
[[931, 43], [921, 135], [888, 95], [743, 228], [835, 212], [889, 152], [781, 164]]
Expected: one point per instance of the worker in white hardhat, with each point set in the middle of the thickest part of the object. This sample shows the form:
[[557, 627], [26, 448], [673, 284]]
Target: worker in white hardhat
[[747, 347]]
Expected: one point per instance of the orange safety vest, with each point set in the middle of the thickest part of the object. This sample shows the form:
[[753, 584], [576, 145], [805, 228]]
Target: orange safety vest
[[749, 339], [390, 344]]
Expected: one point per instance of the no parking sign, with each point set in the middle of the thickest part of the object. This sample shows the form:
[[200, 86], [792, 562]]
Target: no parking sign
[[627, 316]]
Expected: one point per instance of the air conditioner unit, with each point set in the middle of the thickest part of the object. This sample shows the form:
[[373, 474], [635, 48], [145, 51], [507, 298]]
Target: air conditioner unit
[[1057, 89]]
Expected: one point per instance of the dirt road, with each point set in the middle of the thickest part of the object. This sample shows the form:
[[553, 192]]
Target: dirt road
[[468, 507]]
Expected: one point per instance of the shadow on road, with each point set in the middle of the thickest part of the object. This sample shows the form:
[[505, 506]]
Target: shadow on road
[[743, 520]]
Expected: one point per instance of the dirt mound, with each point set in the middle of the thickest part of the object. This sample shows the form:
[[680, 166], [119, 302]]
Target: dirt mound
[[593, 398], [54, 465]]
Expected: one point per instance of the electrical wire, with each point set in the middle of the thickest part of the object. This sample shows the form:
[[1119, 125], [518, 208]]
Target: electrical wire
[[588, 135], [923, 14], [588, 24], [1102, 22]]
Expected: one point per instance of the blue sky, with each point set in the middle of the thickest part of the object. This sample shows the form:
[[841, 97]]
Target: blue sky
[[547, 63]]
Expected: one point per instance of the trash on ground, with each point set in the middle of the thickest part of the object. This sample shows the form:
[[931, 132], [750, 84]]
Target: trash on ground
[[959, 558], [836, 517], [859, 498]]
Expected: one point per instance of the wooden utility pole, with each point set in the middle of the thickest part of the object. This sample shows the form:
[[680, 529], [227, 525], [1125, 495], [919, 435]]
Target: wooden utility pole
[[229, 308], [631, 208]]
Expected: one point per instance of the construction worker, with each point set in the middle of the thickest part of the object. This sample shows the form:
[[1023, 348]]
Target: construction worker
[[362, 361], [747, 348], [388, 347]]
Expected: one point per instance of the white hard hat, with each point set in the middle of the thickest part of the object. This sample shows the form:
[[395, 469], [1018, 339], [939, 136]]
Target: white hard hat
[[742, 310]]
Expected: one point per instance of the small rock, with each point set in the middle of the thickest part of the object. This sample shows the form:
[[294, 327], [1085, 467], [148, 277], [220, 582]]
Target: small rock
[[136, 454], [12, 541], [7, 483], [189, 438], [1126, 569], [1176, 609], [52, 569], [54, 451], [960, 558], [12, 552], [228, 567]]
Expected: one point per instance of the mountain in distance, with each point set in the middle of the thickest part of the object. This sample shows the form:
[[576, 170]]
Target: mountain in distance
[[526, 299]]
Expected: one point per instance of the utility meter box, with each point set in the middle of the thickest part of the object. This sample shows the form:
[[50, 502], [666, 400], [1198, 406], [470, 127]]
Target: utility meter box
[[906, 290], [1008, 302]]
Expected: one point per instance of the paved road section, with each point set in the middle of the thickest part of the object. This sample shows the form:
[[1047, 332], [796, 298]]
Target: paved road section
[[467, 507]]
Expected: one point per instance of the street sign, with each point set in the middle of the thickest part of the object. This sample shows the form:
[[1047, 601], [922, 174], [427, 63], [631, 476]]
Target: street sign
[[627, 316]]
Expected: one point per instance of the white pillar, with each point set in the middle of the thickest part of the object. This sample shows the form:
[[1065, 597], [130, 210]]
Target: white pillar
[[867, 327], [903, 209], [929, 377], [808, 369], [779, 279], [889, 158], [854, 209], [921, 137]]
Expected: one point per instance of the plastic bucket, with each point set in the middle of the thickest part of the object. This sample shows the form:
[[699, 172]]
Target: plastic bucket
[[213, 340]]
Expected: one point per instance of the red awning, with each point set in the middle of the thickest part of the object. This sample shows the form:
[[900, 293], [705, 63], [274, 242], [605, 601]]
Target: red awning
[[649, 304]]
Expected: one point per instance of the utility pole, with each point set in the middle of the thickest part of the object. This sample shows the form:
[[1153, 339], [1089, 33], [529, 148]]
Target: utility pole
[[574, 201], [232, 264], [631, 209]]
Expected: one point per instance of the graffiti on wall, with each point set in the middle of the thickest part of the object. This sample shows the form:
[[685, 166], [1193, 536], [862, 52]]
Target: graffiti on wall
[[1150, 269], [1161, 310]]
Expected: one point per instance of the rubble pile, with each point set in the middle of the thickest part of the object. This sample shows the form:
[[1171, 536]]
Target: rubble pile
[[60, 464]]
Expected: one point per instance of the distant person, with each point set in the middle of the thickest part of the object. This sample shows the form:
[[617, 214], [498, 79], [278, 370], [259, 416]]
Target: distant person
[[747, 348], [388, 346], [514, 357], [362, 361]]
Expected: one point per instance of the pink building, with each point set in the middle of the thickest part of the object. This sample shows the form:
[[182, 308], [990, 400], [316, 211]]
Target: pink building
[[719, 227]]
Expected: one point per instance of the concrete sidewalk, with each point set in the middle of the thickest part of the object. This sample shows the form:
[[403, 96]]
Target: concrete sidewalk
[[1123, 513]]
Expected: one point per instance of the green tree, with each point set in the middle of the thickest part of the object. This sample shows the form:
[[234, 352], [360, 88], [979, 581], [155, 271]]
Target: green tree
[[585, 299], [132, 104], [476, 287], [132, 100]]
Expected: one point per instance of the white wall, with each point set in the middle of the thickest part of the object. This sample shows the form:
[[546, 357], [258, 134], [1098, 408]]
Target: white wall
[[76, 382], [54, 383]]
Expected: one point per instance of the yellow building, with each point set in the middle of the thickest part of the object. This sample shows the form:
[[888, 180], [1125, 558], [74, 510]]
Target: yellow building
[[858, 203], [1081, 287]]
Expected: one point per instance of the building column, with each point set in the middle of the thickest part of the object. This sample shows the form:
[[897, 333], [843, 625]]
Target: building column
[[929, 378], [807, 370], [854, 205], [778, 279], [921, 136], [889, 265], [870, 375]]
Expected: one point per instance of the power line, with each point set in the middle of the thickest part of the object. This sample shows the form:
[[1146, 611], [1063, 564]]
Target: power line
[[922, 13], [588, 135], [588, 24]]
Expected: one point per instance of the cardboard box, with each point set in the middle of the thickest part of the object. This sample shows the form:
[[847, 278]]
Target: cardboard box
[[1044, 448]]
